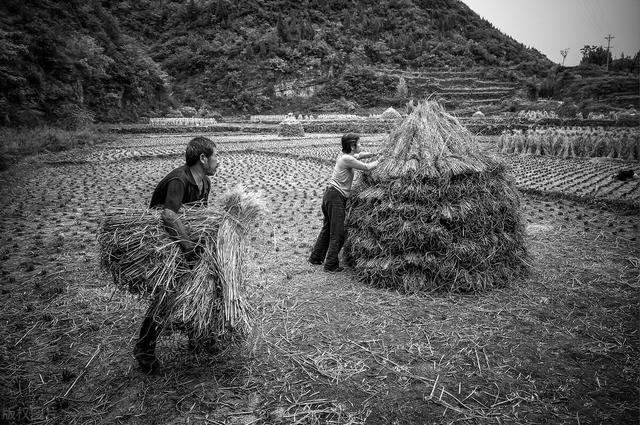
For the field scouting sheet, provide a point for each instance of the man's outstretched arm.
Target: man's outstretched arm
(364, 155)
(358, 165)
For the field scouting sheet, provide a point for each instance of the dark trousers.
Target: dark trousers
(333, 232)
(149, 331)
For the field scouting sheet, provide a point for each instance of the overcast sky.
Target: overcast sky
(552, 25)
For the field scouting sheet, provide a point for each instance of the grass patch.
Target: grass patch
(17, 143)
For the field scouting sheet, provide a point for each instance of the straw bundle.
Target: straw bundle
(206, 297)
(579, 142)
(290, 127)
(438, 214)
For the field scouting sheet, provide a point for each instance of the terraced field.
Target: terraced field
(471, 88)
(559, 345)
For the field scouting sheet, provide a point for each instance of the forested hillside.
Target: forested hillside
(120, 60)
(69, 61)
(254, 55)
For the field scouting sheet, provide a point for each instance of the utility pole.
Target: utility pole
(608, 38)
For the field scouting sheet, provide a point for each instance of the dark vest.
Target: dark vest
(191, 193)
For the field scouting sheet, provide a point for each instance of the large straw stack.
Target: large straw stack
(204, 297)
(437, 214)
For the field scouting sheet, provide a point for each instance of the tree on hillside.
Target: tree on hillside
(221, 12)
(626, 63)
(595, 55)
(401, 88)
(564, 53)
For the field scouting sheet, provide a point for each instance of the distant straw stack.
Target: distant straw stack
(438, 214)
(205, 298)
(290, 127)
(390, 114)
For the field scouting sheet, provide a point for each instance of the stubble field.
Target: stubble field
(560, 346)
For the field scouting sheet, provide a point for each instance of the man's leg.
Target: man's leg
(322, 243)
(337, 235)
(145, 349)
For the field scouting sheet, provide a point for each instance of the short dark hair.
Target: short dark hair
(197, 146)
(349, 139)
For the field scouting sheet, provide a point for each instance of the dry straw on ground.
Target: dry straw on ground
(204, 297)
(438, 214)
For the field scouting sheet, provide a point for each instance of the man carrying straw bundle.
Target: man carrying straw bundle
(333, 234)
(187, 185)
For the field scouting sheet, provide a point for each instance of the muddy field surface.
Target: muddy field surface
(560, 346)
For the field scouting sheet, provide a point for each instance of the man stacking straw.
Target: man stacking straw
(187, 185)
(332, 235)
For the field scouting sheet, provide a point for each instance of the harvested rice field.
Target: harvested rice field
(560, 346)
